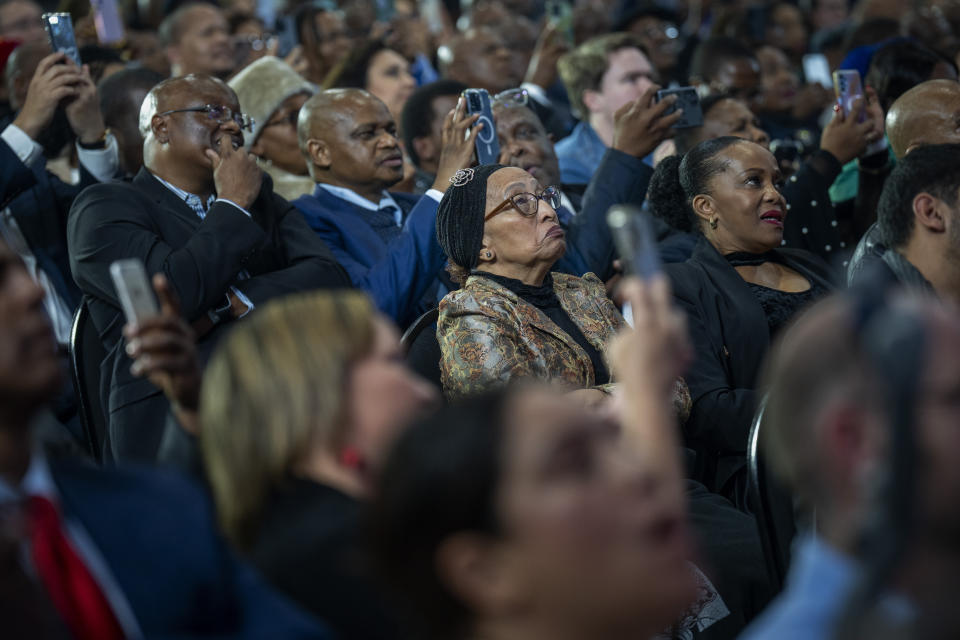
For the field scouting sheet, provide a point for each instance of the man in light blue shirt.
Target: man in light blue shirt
(601, 76)
(826, 432)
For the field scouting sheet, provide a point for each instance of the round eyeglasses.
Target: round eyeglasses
(512, 98)
(528, 203)
(219, 113)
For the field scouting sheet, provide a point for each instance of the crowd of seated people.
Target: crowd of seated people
(384, 379)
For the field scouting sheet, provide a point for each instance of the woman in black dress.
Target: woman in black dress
(739, 288)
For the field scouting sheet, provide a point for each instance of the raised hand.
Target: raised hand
(551, 45)
(56, 78)
(457, 145)
(845, 136)
(83, 110)
(235, 172)
(163, 351)
(640, 126)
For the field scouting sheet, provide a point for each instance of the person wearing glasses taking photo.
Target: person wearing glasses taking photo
(202, 213)
(512, 318)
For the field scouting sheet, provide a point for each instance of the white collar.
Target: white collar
(351, 196)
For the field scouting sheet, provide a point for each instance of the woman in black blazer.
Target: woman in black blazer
(739, 289)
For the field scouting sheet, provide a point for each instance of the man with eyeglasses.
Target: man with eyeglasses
(385, 240)
(202, 213)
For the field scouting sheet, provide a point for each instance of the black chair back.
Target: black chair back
(421, 348)
(772, 505)
(86, 355)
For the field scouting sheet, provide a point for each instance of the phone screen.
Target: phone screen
(560, 15)
(848, 88)
(59, 28)
(816, 69)
(487, 145)
(106, 19)
(133, 290)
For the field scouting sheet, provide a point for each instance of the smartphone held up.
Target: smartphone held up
(59, 27)
(487, 144)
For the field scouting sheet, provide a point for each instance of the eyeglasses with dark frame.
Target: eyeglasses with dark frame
(528, 203)
(219, 113)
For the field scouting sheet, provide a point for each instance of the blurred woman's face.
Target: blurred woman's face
(595, 542)
(278, 142)
(731, 117)
(383, 396)
(388, 78)
(778, 81)
(515, 238)
(745, 200)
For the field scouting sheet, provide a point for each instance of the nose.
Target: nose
(387, 140)
(230, 125)
(546, 213)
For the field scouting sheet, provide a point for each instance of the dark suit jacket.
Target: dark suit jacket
(308, 547)
(200, 258)
(620, 179)
(396, 275)
(40, 203)
(157, 535)
(730, 337)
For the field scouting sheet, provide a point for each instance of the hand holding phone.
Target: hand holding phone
(487, 143)
(849, 88)
(133, 290)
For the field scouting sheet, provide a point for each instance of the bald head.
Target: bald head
(327, 110)
(349, 139)
(929, 113)
(171, 92)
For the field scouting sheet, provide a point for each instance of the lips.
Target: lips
(393, 160)
(774, 217)
(556, 231)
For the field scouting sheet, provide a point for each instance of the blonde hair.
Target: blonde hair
(274, 391)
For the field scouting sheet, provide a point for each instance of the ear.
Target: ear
(592, 100)
(158, 127)
(425, 149)
(476, 570)
(487, 248)
(318, 153)
(704, 206)
(930, 212)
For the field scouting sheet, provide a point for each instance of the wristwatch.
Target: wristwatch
(100, 143)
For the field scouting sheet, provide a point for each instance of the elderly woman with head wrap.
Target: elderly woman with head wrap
(513, 318)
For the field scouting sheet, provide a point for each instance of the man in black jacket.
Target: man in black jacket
(917, 234)
(202, 213)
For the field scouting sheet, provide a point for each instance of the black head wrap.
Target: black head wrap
(460, 216)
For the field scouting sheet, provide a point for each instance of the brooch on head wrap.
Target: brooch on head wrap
(462, 177)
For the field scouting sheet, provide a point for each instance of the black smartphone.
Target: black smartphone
(689, 101)
(59, 28)
(488, 146)
(635, 242)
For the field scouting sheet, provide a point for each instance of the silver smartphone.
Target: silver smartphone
(635, 242)
(133, 290)
(816, 69)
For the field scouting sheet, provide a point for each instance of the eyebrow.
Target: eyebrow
(514, 185)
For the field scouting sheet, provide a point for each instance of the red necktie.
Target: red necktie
(71, 588)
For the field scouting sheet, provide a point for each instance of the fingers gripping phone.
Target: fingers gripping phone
(487, 144)
(635, 242)
(133, 290)
(59, 28)
(848, 87)
(689, 101)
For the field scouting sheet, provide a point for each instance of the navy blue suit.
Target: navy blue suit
(395, 275)
(156, 533)
(620, 179)
(40, 202)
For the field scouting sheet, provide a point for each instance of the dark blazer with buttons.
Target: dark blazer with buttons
(730, 337)
(201, 259)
